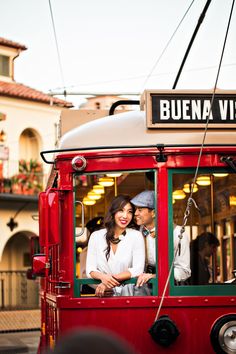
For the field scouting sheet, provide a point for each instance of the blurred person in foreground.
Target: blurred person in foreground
(91, 340)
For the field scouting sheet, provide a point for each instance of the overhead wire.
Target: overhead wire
(166, 46)
(147, 77)
(57, 46)
(200, 20)
(190, 199)
(212, 67)
(213, 96)
(154, 66)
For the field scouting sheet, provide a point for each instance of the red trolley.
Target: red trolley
(160, 147)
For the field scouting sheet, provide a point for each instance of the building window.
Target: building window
(4, 65)
(97, 105)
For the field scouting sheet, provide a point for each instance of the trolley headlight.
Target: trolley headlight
(79, 163)
(223, 335)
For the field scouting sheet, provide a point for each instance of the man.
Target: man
(145, 218)
(202, 249)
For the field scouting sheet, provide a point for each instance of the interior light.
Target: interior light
(87, 201)
(203, 180)
(106, 181)
(94, 196)
(98, 189)
(179, 194)
(3, 136)
(219, 175)
(114, 174)
(232, 200)
(188, 186)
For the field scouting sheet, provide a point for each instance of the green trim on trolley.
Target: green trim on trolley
(192, 290)
(79, 282)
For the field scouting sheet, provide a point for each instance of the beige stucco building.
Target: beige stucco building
(29, 121)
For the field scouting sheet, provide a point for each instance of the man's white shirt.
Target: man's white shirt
(182, 269)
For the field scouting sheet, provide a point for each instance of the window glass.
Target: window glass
(210, 226)
(4, 65)
(96, 200)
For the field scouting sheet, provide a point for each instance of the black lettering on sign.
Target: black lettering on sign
(193, 110)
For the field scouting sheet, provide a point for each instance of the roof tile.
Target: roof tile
(17, 90)
(8, 43)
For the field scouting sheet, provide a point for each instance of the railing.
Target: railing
(27, 179)
(17, 187)
(18, 292)
(80, 282)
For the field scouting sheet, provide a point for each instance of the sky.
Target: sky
(119, 46)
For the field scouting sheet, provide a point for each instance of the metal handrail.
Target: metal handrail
(112, 147)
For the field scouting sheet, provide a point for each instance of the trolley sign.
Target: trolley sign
(190, 109)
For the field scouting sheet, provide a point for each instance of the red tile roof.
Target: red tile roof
(16, 90)
(11, 44)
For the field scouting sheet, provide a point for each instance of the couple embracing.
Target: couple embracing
(117, 252)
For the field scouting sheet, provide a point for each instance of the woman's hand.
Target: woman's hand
(143, 278)
(102, 291)
(109, 281)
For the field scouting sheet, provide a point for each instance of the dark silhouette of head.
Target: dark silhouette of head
(95, 224)
(207, 242)
(93, 340)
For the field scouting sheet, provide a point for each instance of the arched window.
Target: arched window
(29, 145)
(30, 177)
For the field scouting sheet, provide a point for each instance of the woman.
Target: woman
(116, 253)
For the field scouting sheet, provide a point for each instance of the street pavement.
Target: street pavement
(19, 342)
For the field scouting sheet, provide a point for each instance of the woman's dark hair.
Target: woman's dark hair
(117, 204)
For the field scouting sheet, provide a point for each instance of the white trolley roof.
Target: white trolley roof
(130, 129)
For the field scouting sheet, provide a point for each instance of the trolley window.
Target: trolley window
(210, 231)
(95, 192)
